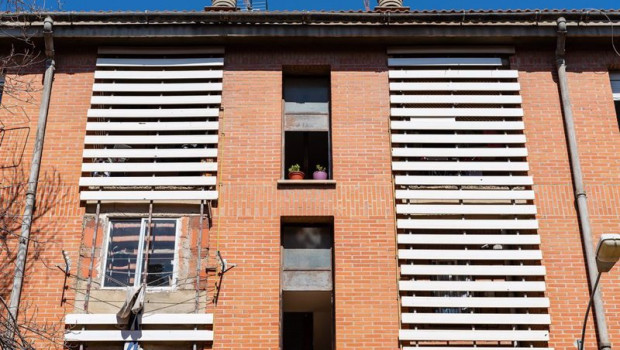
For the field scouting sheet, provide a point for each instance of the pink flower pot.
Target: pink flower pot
(319, 175)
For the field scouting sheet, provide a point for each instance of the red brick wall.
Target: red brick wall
(599, 146)
(251, 205)
(58, 215)
(247, 230)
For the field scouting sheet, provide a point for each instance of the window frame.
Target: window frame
(143, 223)
(329, 167)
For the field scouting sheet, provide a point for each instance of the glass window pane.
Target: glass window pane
(306, 95)
(120, 268)
(306, 236)
(161, 253)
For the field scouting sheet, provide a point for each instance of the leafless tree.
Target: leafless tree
(28, 332)
(21, 55)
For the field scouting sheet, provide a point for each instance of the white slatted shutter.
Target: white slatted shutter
(152, 130)
(470, 265)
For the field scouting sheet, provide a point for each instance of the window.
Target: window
(307, 287)
(615, 88)
(306, 124)
(125, 255)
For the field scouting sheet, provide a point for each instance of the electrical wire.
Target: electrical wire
(611, 23)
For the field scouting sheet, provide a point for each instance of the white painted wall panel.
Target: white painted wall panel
(153, 113)
(164, 50)
(151, 140)
(468, 319)
(457, 112)
(144, 335)
(470, 139)
(463, 180)
(149, 181)
(150, 153)
(156, 100)
(149, 167)
(129, 196)
(472, 254)
(157, 75)
(460, 166)
(472, 286)
(477, 224)
(160, 319)
(456, 99)
(451, 124)
(168, 87)
(452, 86)
(468, 239)
(476, 302)
(460, 152)
(472, 348)
(465, 194)
(445, 61)
(452, 74)
(465, 209)
(463, 335)
(151, 126)
(160, 62)
(472, 270)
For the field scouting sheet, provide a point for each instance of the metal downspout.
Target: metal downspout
(580, 193)
(33, 180)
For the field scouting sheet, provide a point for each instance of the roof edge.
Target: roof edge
(317, 17)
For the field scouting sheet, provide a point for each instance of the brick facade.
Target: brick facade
(248, 215)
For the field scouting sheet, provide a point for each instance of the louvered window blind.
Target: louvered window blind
(152, 128)
(470, 263)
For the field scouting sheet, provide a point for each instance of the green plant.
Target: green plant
(294, 168)
(319, 167)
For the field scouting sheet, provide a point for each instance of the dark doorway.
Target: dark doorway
(298, 331)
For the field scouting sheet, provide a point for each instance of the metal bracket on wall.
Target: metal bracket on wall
(67, 272)
(222, 267)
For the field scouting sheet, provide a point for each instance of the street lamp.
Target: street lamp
(607, 254)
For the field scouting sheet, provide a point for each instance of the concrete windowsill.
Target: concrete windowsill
(306, 183)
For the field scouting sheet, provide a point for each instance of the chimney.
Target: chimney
(218, 5)
(387, 5)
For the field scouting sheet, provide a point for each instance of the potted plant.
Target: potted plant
(294, 172)
(320, 173)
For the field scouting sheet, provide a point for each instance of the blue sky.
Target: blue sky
(94, 5)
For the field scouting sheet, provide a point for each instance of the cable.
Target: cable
(219, 176)
(585, 320)
(611, 23)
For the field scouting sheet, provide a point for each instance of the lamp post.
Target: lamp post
(607, 254)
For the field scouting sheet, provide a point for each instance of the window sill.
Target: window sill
(306, 183)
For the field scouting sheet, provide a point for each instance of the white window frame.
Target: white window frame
(143, 223)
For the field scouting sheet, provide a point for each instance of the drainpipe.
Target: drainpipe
(31, 193)
(580, 193)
